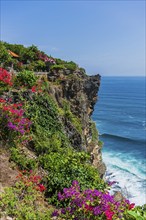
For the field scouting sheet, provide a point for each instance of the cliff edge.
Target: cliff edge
(80, 92)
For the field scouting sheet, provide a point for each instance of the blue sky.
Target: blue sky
(106, 37)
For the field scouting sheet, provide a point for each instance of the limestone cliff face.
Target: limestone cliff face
(81, 92)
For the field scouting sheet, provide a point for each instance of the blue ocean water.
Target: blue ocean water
(120, 116)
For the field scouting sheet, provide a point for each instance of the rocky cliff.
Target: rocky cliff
(80, 92)
(75, 95)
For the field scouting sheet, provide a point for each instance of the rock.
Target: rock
(6, 218)
(118, 196)
(9, 218)
(81, 92)
(7, 173)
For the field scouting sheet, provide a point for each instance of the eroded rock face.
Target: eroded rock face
(7, 172)
(81, 91)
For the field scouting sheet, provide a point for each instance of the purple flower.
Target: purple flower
(55, 213)
(97, 210)
(12, 126)
(22, 131)
(63, 211)
(60, 196)
(75, 182)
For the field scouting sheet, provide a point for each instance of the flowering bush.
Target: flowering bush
(25, 200)
(14, 115)
(90, 204)
(5, 77)
(13, 123)
(42, 56)
(29, 179)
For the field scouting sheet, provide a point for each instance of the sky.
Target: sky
(105, 37)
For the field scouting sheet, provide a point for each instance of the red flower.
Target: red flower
(2, 100)
(33, 89)
(5, 77)
(131, 206)
(41, 187)
(88, 207)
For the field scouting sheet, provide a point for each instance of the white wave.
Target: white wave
(131, 116)
(144, 124)
(129, 180)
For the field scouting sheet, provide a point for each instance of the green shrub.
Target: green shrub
(59, 61)
(24, 201)
(57, 67)
(94, 131)
(71, 65)
(55, 154)
(25, 78)
(39, 65)
(67, 165)
(5, 57)
(22, 160)
(71, 117)
(82, 70)
(138, 213)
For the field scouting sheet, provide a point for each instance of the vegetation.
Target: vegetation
(91, 204)
(33, 116)
(31, 58)
(31, 121)
(71, 117)
(25, 78)
(25, 200)
(94, 131)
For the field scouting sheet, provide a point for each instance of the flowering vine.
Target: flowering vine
(91, 204)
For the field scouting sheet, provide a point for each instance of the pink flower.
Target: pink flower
(131, 206)
(109, 214)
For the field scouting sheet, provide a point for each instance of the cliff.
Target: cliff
(80, 92)
(46, 131)
(61, 111)
(50, 152)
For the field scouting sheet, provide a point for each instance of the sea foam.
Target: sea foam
(128, 175)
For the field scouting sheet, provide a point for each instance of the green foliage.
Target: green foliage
(30, 54)
(31, 58)
(59, 61)
(57, 67)
(24, 203)
(138, 213)
(64, 166)
(26, 55)
(61, 64)
(49, 141)
(46, 129)
(94, 131)
(71, 117)
(71, 66)
(39, 65)
(82, 70)
(25, 78)
(18, 156)
(5, 58)
(100, 143)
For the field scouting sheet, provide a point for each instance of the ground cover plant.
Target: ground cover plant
(25, 200)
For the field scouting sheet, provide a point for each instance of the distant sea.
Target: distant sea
(120, 116)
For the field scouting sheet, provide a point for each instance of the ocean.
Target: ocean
(120, 116)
